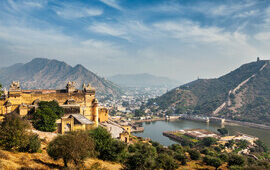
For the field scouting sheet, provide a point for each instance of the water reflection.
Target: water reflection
(154, 130)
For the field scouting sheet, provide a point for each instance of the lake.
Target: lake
(153, 130)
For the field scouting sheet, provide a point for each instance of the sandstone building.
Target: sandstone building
(73, 101)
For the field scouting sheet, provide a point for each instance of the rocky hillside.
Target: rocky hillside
(243, 94)
(142, 80)
(43, 73)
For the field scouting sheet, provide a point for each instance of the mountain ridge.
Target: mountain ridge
(142, 80)
(43, 73)
(237, 95)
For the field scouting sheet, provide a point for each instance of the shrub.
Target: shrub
(212, 161)
(75, 146)
(224, 157)
(181, 157)
(164, 161)
(107, 147)
(13, 132)
(208, 141)
(223, 131)
(194, 154)
(33, 144)
(236, 160)
(143, 157)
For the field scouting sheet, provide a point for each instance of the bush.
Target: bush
(223, 131)
(212, 161)
(75, 146)
(143, 157)
(236, 160)
(33, 144)
(194, 154)
(107, 147)
(13, 132)
(208, 141)
(164, 161)
(224, 157)
(181, 157)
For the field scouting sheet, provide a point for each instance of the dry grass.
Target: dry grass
(195, 165)
(13, 160)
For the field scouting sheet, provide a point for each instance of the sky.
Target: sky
(179, 39)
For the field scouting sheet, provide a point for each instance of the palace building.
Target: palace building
(74, 101)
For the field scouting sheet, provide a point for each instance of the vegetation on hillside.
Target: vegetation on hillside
(15, 135)
(203, 96)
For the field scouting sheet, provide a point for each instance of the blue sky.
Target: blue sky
(180, 39)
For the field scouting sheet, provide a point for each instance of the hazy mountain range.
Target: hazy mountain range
(41, 73)
(243, 94)
(143, 80)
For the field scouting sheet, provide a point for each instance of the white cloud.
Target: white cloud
(73, 11)
(107, 29)
(190, 31)
(112, 3)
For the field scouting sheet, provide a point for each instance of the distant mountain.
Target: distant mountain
(142, 80)
(41, 73)
(243, 94)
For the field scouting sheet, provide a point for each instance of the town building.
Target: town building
(74, 101)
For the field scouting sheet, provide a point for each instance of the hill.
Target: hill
(243, 94)
(41, 73)
(142, 80)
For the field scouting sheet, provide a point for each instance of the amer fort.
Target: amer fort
(81, 107)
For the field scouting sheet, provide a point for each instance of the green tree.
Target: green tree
(236, 160)
(194, 154)
(243, 144)
(74, 146)
(212, 161)
(223, 131)
(208, 141)
(181, 157)
(33, 144)
(107, 147)
(13, 132)
(139, 113)
(44, 119)
(45, 116)
(53, 105)
(142, 158)
(164, 161)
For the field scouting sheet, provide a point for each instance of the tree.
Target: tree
(194, 154)
(142, 157)
(139, 113)
(236, 160)
(212, 161)
(164, 161)
(33, 145)
(74, 146)
(13, 132)
(53, 105)
(243, 144)
(44, 120)
(181, 157)
(45, 116)
(208, 141)
(107, 147)
(223, 131)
